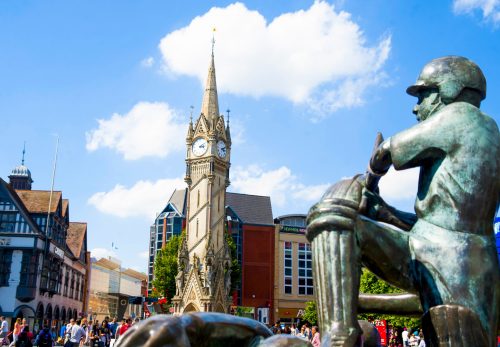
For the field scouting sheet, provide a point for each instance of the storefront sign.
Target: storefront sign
(5, 241)
(59, 252)
(381, 326)
(290, 229)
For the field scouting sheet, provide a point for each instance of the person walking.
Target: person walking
(77, 335)
(25, 337)
(316, 338)
(44, 338)
(4, 329)
(16, 331)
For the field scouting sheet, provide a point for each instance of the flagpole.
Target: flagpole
(52, 188)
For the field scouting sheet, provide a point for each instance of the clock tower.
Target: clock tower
(204, 279)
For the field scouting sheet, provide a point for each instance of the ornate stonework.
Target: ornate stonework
(203, 282)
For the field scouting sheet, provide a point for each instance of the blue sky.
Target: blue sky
(308, 84)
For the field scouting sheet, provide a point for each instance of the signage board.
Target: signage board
(291, 229)
(381, 326)
(4, 241)
(59, 252)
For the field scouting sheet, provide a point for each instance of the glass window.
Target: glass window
(305, 269)
(288, 267)
(5, 261)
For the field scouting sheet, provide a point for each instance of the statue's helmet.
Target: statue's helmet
(450, 75)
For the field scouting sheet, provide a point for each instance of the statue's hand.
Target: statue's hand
(374, 207)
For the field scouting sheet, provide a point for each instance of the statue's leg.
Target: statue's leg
(340, 241)
(335, 258)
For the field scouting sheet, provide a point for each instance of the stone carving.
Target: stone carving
(445, 253)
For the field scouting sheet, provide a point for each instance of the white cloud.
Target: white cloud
(144, 198)
(99, 253)
(143, 255)
(147, 62)
(148, 129)
(315, 56)
(489, 8)
(399, 185)
(280, 184)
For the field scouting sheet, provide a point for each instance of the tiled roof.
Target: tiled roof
(65, 204)
(75, 237)
(252, 209)
(132, 273)
(178, 199)
(37, 201)
(106, 263)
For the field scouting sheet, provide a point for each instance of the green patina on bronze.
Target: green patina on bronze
(445, 255)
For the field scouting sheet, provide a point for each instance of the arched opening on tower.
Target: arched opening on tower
(219, 308)
(191, 308)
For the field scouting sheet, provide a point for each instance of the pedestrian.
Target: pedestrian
(4, 329)
(16, 332)
(406, 340)
(104, 334)
(276, 328)
(25, 337)
(293, 330)
(316, 339)
(77, 335)
(44, 338)
(67, 332)
(124, 327)
(113, 326)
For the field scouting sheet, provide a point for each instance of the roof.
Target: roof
(107, 264)
(65, 203)
(75, 237)
(252, 209)
(37, 201)
(135, 274)
(178, 199)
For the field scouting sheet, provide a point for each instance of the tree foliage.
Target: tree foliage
(371, 284)
(310, 313)
(165, 268)
(235, 267)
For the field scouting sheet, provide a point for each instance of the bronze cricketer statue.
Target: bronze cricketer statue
(445, 255)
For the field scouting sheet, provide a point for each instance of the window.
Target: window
(5, 261)
(29, 265)
(66, 283)
(72, 285)
(305, 269)
(288, 267)
(44, 277)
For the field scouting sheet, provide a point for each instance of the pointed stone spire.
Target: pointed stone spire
(210, 105)
(228, 133)
(190, 132)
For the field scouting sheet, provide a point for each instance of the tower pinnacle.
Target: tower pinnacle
(210, 104)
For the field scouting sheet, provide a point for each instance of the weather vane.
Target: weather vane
(24, 151)
(213, 40)
(191, 114)
(228, 111)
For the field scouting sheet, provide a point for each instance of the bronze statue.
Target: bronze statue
(445, 253)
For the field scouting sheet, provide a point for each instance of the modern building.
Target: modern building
(111, 289)
(44, 263)
(293, 271)
(170, 222)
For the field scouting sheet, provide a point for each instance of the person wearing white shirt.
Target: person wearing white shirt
(4, 328)
(77, 334)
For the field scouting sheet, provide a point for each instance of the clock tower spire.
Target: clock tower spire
(203, 282)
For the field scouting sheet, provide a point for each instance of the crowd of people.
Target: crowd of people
(305, 332)
(75, 333)
(406, 338)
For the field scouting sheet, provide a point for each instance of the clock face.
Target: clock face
(199, 146)
(221, 148)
